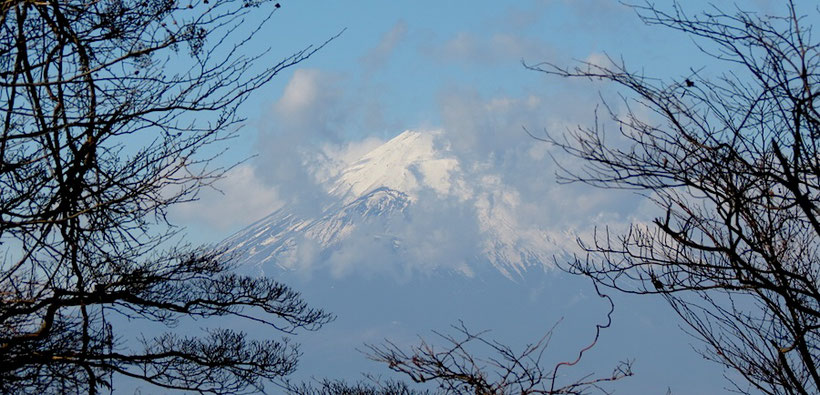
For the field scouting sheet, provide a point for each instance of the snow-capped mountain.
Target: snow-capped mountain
(408, 163)
(407, 202)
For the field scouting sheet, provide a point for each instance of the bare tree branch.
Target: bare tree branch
(733, 163)
(107, 110)
(458, 367)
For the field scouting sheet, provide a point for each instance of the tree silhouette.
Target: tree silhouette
(732, 162)
(370, 386)
(109, 109)
(470, 362)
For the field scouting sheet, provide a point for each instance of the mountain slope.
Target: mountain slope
(406, 203)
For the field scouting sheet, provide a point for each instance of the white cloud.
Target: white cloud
(311, 112)
(330, 159)
(487, 137)
(306, 142)
(380, 54)
(496, 48)
(307, 138)
(306, 94)
(300, 93)
(238, 199)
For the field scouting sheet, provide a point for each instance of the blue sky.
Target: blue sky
(424, 65)
(456, 66)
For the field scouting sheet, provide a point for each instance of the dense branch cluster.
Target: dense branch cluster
(471, 363)
(732, 161)
(106, 108)
(369, 386)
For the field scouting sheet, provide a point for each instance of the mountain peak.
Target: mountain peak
(409, 202)
(407, 163)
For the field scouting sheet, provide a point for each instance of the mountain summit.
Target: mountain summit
(407, 163)
(407, 203)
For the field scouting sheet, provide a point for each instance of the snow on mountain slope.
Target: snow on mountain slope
(407, 163)
(280, 237)
(407, 202)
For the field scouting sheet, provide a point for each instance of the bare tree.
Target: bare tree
(369, 386)
(107, 106)
(732, 161)
(460, 366)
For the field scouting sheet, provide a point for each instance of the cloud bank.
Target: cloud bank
(324, 121)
